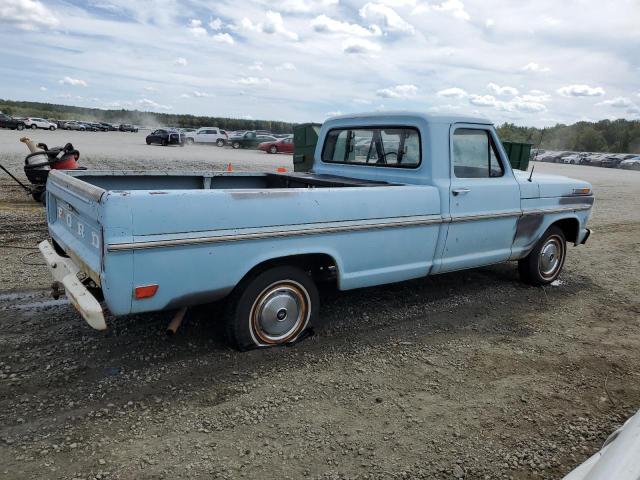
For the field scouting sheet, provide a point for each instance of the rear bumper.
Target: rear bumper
(65, 272)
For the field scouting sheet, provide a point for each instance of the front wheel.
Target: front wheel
(20, 126)
(235, 145)
(271, 308)
(273, 149)
(52, 128)
(544, 264)
(220, 142)
(189, 141)
(33, 126)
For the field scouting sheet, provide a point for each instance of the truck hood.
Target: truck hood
(544, 185)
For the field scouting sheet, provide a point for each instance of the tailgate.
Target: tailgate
(73, 215)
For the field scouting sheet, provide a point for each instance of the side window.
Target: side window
(384, 146)
(474, 154)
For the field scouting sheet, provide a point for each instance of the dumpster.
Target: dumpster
(305, 138)
(518, 154)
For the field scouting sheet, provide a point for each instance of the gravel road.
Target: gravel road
(465, 375)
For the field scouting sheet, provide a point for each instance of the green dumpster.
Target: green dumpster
(518, 154)
(305, 138)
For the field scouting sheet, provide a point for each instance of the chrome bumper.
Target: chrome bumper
(65, 272)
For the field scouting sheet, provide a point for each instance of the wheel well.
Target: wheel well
(569, 227)
(316, 263)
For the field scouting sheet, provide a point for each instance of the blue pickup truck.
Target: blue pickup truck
(391, 197)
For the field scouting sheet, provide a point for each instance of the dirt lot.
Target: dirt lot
(464, 375)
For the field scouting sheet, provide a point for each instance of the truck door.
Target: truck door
(484, 200)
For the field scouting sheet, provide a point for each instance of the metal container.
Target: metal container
(305, 138)
(518, 154)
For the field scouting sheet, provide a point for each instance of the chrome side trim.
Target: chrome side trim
(415, 221)
(420, 221)
(571, 208)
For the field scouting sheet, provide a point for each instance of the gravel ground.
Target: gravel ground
(463, 375)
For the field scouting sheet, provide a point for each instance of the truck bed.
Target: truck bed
(143, 180)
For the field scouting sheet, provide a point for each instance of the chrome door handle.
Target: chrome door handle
(460, 191)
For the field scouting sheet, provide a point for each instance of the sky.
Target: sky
(538, 62)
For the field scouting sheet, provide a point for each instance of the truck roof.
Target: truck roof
(399, 116)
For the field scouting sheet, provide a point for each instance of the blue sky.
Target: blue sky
(533, 63)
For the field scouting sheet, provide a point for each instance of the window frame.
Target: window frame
(374, 127)
(492, 144)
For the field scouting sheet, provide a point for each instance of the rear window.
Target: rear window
(373, 146)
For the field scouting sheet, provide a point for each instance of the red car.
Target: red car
(282, 145)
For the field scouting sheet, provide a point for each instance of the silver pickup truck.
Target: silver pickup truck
(391, 197)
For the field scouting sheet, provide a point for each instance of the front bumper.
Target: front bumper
(585, 234)
(65, 272)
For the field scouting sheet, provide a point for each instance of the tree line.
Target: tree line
(136, 117)
(615, 136)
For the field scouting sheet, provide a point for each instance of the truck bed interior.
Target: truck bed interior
(146, 181)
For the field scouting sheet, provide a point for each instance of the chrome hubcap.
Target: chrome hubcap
(280, 313)
(551, 257)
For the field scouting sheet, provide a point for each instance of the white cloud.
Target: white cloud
(150, 89)
(618, 102)
(274, 24)
(453, 92)
(27, 14)
(223, 38)
(536, 96)
(196, 29)
(257, 66)
(216, 24)
(185, 95)
(324, 24)
(334, 113)
(490, 23)
(301, 6)
(454, 7)
(254, 81)
(399, 91)
(43, 89)
(581, 91)
(359, 46)
(523, 105)
(387, 16)
(286, 66)
(146, 103)
(75, 82)
(534, 67)
(483, 100)
(181, 62)
(196, 93)
(498, 90)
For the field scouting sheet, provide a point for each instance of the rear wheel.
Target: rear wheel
(189, 141)
(33, 126)
(220, 142)
(20, 126)
(165, 142)
(273, 149)
(544, 264)
(148, 142)
(235, 145)
(52, 128)
(271, 308)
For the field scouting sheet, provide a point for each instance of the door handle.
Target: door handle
(460, 191)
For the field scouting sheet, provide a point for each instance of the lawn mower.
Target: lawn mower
(40, 161)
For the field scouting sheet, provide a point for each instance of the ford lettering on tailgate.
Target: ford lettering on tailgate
(76, 226)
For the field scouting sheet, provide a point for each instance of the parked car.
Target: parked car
(165, 137)
(282, 145)
(35, 122)
(89, 127)
(250, 140)
(73, 125)
(446, 200)
(127, 127)
(108, 127)
(6, 121)
(211, 135)
(611, 161)
(632, 163)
